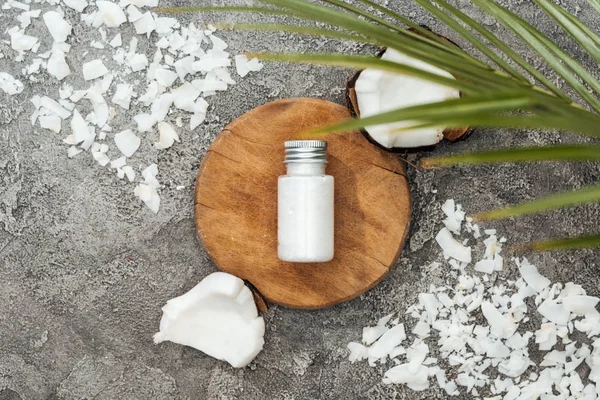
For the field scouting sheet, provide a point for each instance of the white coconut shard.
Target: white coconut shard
(554, 312)
(165, 77)
(94, 69)
(533, 278)
(123, 94)
(112, 15)
(145, 122)
(57, 65)
(254, 65)
(145, 24)
(452, 247)
(52, 106)
(9, 84)
(116, 41)
(372, 333)
(79, 128)
(101, 110)
(51, 122)
(73, 151)
(77, 5)
(241, 67)
(168, 136)
(57, 26)
(380, 91)
(127, 142)
(358, 352)
(129, 173)
(149, 196)
(581, 305)
(218, 317)
(387, 342)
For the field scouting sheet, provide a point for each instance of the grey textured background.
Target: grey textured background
(85, 268)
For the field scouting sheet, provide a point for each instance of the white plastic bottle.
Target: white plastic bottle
(305, 204)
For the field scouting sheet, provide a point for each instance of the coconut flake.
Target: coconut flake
(502, 327)
(387, 342)
(52, 122)
(122, 96)
(168, 136)
(137, 62)
(101, 110)
(129, 173)
(184, 97)
(73, 151)
(79, 128)
(57, 65)
(533, 278)
(145, 122)
(240, 65)
(94, 69)
(372, 333)
(196, 120)
(358, 352)
(254, 65)
(452, 247)
(9, 84)
(77, 5)
(101, 158)
(58, 27)
(165, 77)
(554, 312)
(111, 14)
(127, 142)
(116, 41)
(145, 24)
(581, 305)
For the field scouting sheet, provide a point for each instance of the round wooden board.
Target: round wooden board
(236, 205)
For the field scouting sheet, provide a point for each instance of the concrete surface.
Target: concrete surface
(85, 268)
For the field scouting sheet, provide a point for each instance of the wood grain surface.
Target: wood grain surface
(236, 205)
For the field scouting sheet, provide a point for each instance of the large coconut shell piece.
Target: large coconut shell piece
(451, 134)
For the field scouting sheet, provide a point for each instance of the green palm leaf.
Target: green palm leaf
(471, 38)
(403, 20)
(578, 31)
(563, 244)
(524, 154)
(470, 22)
(585, 195)
(554, 56)
(595, 4)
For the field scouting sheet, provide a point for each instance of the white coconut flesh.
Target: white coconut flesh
(218, 317)
(380, 91)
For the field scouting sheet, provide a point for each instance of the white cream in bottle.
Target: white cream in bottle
(305, 204)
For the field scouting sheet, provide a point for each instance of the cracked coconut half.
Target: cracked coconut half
(371, 91)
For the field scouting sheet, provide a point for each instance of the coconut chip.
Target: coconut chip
(168, 136)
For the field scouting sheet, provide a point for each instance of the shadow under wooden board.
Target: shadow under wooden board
(236, 205)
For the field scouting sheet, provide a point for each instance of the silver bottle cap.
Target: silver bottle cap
(305, 151)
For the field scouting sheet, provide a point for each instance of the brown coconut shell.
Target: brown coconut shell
(451, 134)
